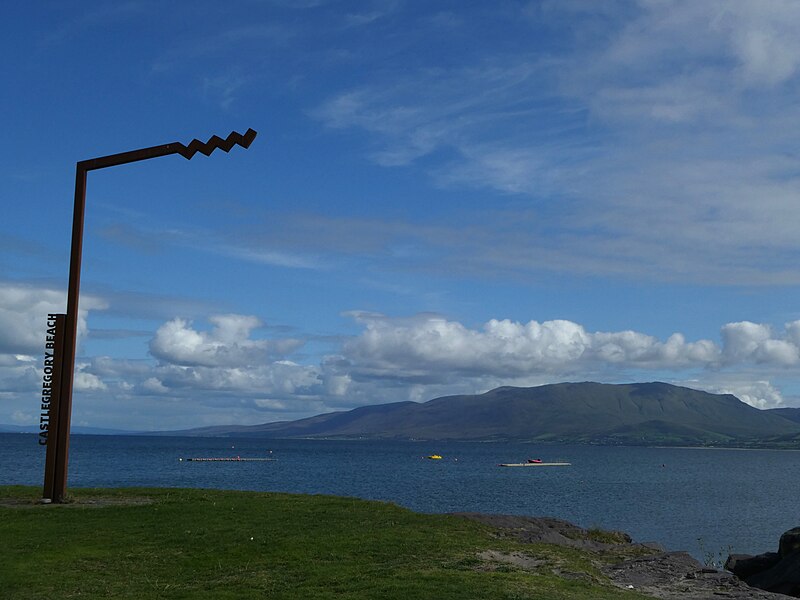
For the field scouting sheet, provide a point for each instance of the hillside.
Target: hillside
(640, 413)
(793, 414)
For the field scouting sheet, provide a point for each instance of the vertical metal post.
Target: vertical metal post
(70, 339)
(51, 456)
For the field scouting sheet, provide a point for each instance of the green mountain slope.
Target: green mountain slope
(640, 413)
(793, 414)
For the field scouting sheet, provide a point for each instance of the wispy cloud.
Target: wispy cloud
(271, 257)
(224, 63)
(255, 248)
(668, 146)
(380, 9)
(223, 42)
(104, 16)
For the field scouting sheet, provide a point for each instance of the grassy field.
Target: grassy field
(176, 543)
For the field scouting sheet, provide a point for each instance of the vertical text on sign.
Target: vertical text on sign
(48, 379)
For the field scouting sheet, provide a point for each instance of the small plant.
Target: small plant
(714, 560)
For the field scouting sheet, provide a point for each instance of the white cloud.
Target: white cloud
(267, 403)
(19, 417)
(793, 332)
(431, 348)
(763, 39)
(277, 378)
(337, 385)
(753, 42)
(227, 361)
(154, 386)
(13, 360)
(87, 382)
(227, 344)
(23, 316)
(760, 394)
(418, 358)
(746, 341)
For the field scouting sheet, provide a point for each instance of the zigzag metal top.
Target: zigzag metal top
(187, 152)
(217, 142)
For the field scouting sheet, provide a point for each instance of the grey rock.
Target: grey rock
(790, 542)
(783, 578)
(678, 576)
(746, 565)
(647, 571)
(777, 572)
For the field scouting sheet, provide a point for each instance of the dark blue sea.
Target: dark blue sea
(702, 501)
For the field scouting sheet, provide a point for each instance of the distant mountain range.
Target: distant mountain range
(630, 414)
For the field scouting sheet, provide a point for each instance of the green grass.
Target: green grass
(176, 543)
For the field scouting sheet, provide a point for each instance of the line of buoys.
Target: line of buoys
(228, 459)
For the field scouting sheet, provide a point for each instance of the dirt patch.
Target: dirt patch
(491, 558)
(548, 530)
(90, 502)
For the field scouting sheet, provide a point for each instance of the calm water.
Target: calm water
(739, 498)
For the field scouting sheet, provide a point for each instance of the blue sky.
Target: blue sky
(444, 197)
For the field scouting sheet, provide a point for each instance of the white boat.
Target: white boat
(535, 464)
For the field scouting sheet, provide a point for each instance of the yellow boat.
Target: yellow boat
(435, 457)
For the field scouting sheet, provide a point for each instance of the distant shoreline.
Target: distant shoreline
(414, 441)
(724, 448)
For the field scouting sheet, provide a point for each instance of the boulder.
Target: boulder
(745, 565)
(783, 578)
(777, 572)
(790, 542)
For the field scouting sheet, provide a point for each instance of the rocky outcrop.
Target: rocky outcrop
(645, 568)
(777, 572)
(548, 530)
(678, 576)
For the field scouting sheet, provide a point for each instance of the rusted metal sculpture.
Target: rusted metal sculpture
(55, 482)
